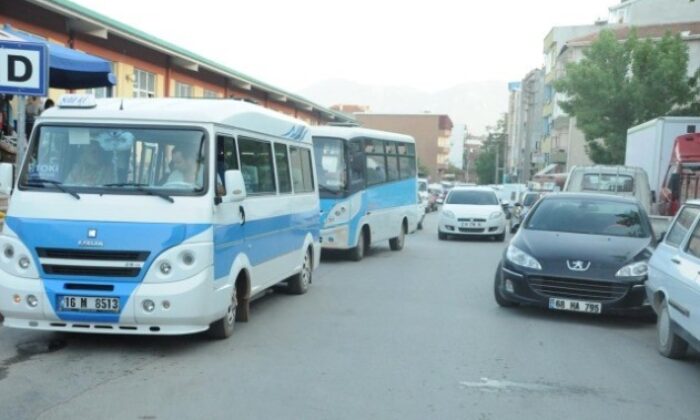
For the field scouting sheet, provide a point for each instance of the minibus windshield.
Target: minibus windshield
(330, 165)
(111, 159)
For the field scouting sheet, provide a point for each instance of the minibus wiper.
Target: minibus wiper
(57, 184)
(330, 190)
(141, 188)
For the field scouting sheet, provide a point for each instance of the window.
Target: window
(284, 177)
(376, 170)
(256, 166)
(681, 226)
(226, 159)
(118, 159)
(302, 171)
(374, 146)
(210, 94)
(392, 168)
(407, 160)
(183, 90)
(694, 243)
(407, 167)
(144, 84)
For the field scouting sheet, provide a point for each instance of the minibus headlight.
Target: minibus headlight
(187, 258)
(165, 268)
(23, 263)
(9, 251)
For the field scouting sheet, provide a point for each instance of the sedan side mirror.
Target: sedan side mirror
(514, 228)
(235, 186)
(6, 178)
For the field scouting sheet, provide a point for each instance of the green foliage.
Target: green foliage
(621, 84)
(486, 162)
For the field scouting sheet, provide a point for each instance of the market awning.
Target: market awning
(68, 68)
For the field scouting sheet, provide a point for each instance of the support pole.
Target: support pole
(21, 130)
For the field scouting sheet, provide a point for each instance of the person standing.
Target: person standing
(32, 111)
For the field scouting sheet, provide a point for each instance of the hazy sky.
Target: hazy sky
(428, 45)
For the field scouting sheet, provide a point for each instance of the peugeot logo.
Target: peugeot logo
(578, 265)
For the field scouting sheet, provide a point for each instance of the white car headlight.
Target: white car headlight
(637, 269)
(518, 257)
(496, 215)
(448, 213)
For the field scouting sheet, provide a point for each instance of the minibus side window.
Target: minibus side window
(302, 171)
(284, 181)
(256, 166)
(226, 159)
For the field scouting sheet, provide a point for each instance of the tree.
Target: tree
(486, 162)
(621, 84)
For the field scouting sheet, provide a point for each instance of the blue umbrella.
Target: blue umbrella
(68, 68)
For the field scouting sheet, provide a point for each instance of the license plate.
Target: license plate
(575, 305)
(89, 304)
(471, 225)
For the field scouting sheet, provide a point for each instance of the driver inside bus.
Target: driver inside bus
(91, 168)
(185, 168)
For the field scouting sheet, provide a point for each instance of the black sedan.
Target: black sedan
(578, 252)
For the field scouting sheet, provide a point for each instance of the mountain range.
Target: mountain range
(476, 104)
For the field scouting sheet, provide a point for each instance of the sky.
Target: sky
(427, 45)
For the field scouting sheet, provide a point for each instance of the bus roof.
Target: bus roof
(229, 112)
(348, 133)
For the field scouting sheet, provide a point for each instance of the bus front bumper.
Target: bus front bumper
(182, 307)
(336, 237)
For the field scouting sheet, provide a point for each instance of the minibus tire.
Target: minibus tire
(396, 244)
(299, 283)
(223, 328)
(358, 253)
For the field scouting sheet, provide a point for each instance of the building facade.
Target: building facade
(431, 131)
(146, 66)
(653, 12)
(571, 138)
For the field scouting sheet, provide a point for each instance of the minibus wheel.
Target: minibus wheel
(358, 253)
(223, 328)
(298, 284)
(396, 244)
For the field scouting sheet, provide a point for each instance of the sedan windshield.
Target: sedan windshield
(591, 217)
(329, 154)
(479, 198)
(116, 159)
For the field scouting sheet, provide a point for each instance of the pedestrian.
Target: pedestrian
(32, 111)
(48, 104)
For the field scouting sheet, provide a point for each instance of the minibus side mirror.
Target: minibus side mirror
(6, 178)
(235, 186)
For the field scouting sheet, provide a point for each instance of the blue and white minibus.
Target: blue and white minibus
(156, 216)
(368, 187)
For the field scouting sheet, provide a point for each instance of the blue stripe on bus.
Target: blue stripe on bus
(265, 239)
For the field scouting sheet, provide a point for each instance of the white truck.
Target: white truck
(649, 146)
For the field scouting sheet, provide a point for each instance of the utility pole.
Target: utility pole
(498, 149)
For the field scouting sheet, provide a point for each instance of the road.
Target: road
(414, 334)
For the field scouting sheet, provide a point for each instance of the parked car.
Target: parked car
(521, 209)
(673, 288)
(472, 211)
(578, 252)
(626, 181)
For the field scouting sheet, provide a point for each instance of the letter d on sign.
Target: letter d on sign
(19, 68)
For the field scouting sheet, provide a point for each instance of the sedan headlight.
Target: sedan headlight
(448, 213)
(496, 215)
(518, 257)
(637, 269)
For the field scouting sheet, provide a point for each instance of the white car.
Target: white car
(472, 211)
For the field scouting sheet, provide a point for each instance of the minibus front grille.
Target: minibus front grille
(75, 270)
(91, 254)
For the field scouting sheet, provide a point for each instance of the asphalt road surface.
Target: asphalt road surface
(414, 334)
